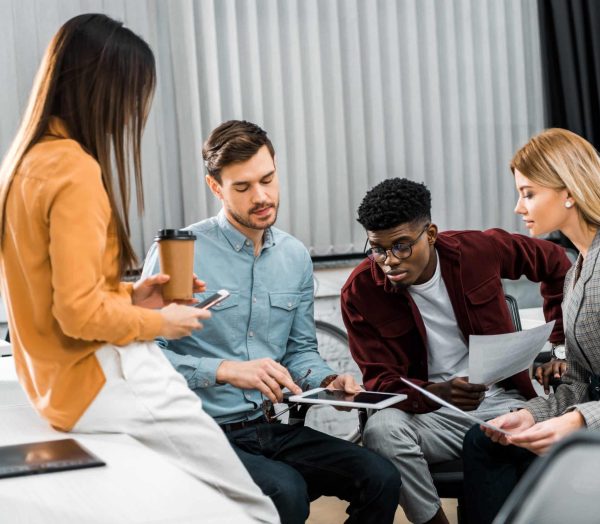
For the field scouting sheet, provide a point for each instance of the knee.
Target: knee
(388, 474)
(380, 475)
(476, 446)
(384, 433)
(290, 495)
(379, 470)
(475, 440)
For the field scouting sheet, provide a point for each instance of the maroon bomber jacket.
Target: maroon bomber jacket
(386, 332)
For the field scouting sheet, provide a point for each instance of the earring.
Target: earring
(568, 204)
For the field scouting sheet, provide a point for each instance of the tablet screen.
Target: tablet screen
(371, 397)
(365, 397)
(45, 457)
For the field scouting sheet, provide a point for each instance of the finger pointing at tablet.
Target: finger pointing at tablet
(263, 374)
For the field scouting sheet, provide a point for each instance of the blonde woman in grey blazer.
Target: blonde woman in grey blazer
(557, 174)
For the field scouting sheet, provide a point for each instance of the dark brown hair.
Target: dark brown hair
(99, 78)
(232, 142)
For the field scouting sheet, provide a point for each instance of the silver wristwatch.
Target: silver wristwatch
(558, 351)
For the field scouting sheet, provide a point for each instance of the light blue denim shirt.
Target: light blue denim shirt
(269, 314)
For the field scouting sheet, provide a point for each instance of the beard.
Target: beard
(252, 221)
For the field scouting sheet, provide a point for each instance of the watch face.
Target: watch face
(559, 352)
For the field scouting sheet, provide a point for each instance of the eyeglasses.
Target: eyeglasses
(399, 250)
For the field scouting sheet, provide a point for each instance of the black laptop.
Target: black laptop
(45, 457)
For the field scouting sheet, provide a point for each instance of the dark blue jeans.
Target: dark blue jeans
(491, 472)
(295, 465)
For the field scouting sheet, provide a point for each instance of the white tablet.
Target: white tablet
(336, 397)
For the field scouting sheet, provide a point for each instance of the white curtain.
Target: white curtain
(350, 91)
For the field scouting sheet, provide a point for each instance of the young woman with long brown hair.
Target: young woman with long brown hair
(83, 340)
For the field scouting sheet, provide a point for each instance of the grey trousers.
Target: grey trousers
(412, 441)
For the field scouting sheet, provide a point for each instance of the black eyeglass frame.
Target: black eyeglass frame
(396, 249)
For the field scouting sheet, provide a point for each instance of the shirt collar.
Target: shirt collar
(238, 239)
(589, 262)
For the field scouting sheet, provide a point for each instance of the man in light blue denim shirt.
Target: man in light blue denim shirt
(269, 315)
(262, 339)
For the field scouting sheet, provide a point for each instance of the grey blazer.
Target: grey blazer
(581, 318)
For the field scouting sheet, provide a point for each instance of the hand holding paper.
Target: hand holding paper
(460, 392)
(508, 424)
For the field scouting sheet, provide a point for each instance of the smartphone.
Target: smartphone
(213, 300)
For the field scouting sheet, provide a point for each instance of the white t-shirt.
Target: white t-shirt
(447, 350)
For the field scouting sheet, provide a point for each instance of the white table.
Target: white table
(136, 486)
(532, 317)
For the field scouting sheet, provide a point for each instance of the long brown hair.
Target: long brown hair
(560, 159)
(99, 78)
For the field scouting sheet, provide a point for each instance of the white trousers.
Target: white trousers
(144, 397)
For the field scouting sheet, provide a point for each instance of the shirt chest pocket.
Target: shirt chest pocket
(403, 343)
(282, 310)
(222, 327)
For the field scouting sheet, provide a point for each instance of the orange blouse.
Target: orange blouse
(58, 272)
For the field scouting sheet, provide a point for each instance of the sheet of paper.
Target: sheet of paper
(442, 402)
(493, 358)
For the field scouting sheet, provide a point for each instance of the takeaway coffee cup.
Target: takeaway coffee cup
(176, 255)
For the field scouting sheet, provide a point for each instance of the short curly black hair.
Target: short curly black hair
(393, 202)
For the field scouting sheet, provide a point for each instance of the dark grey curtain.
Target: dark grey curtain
(570, 41)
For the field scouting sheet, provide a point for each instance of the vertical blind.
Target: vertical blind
(350, 91)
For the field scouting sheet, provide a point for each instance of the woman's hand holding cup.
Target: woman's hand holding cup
(148, 292)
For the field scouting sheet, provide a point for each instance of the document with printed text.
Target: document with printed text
(493, 358)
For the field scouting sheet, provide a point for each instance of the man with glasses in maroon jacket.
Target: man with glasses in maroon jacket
(410, 307)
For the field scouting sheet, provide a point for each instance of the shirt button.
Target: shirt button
(238, 247)
(254, 299)
(247, 242)
(289, 305)
(250, 333)
(206, 383)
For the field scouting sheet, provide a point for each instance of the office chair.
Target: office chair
(559, 487)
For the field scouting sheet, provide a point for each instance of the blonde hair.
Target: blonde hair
(559, 159)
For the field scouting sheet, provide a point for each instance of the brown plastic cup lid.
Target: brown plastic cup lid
(174, 234)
